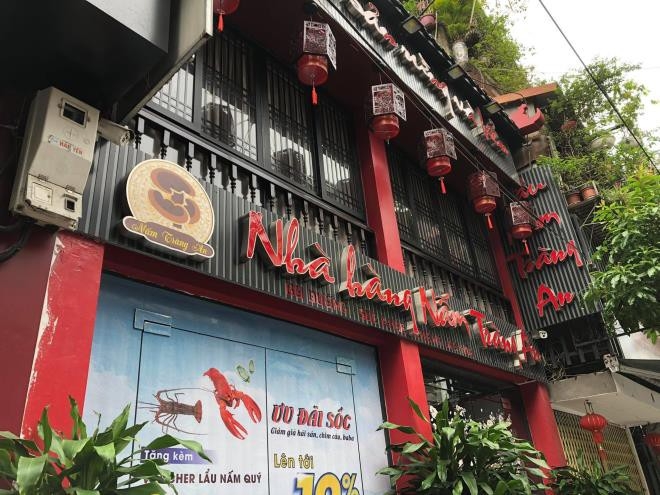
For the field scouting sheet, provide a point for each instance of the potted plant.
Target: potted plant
(591, 480)
(573, 196)
(85, 464)
(463, 457)
(588, 190)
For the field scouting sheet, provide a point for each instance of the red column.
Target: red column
(542, 423)
(64, 341)
(400, 364)
(23, 280)
(540, 417)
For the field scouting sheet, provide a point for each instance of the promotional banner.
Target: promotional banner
(279, 408)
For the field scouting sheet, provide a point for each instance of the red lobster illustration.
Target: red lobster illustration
(227, 396)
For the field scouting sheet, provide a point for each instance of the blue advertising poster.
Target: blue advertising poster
(279, 408)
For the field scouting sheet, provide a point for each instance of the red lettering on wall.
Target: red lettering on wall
(547, 257)
(545, 295)
(527, 123)
(546, 218)
(282, 255)
(530, 190)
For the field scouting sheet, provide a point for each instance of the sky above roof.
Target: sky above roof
(596, 28)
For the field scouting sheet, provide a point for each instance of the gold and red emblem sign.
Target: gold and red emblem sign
(169, 209)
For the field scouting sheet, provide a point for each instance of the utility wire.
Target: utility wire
(600, 87)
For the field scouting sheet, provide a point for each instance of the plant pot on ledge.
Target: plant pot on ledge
(573, 197)
(588, 191)
(428, 21)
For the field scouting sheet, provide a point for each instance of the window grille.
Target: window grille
(176, 95)
(341, 171)
(228, 111)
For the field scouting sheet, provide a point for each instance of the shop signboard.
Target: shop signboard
(550, 279)
(299, 265)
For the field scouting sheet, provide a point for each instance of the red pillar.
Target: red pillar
(542, 423)
(64, 341)
(23, 280)
(540, 417)
(400, 363)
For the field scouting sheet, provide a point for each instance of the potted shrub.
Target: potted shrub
(592, 480)
(85, 464)
(573, 196)
(464, 457)
(588, 191)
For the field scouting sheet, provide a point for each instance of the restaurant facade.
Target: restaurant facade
(271, 267)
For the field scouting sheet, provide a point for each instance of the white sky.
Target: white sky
(629, 31)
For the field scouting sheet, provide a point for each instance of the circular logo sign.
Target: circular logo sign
(170, 208)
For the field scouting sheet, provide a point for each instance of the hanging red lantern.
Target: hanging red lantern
(652, 439)
(318, 46)
(484, 192)
(387, 105)
(595, 423)
(224, 7)
(520, 221)
(437, 150)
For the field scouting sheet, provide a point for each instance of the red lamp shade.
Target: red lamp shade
(318, 49)
(653, 440)
(386, 106)
(437, 151)
(520, 221)
(224, 7)
(595, 423)
(484, 191)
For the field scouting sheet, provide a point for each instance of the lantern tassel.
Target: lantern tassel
(315, 97)
(442, 185)
(221, 22)
(526, 247)
(489, 222)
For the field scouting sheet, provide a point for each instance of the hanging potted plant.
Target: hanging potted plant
(464, 457)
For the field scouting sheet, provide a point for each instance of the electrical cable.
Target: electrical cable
(26, 230)
(600, 87)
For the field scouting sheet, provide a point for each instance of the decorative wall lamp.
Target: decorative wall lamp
(483, 192)
(492, 107)
(411, 25)
(318, 46)
(387, 104)
(437, 151)
(224, 7)
(520, 222)
(456, 72)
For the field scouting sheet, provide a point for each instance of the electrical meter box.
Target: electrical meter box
(55, 159)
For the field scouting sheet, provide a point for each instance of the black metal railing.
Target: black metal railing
(160, 138)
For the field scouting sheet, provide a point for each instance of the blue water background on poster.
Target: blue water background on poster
(260, 361)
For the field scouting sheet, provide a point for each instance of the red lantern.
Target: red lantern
(484, 192)
(318, 47)
(653, 440)
(520, 222)
(387, 105)
(595, 423)
(437, 149)
(224, 7)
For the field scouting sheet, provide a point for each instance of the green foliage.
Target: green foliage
(587, 480)
(629, 287)
(85, 465)
(497, 54)
(581, 101)
(464, 457)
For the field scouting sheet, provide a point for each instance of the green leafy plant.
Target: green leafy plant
(591, 480)
(464, 457)
(629, 285)
(85, 464)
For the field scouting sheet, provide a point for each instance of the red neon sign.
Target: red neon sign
(546, 218)
(545, 258)
(527, 123)
(545, 295)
